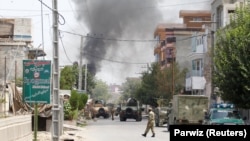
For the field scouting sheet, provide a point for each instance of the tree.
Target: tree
(130, 87)
(149, 85)
(232, 55)
(101, 91)
(74, 100)
(70, 77)
(76, 103)
(67, 79)
(157, 84)
(83, 98)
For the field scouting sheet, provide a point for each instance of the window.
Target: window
(171, 39)
(230, 11)
(219, 18)
(197, 67)
(197, 19)
(169, 54)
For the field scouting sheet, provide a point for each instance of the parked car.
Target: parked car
(223, 114)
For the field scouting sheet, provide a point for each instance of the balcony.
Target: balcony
(197, 73)
(195, 83)
(195, 80)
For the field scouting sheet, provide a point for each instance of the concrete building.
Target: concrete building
(15, 46)
(221, 10)
(198, 79)
(175, 39)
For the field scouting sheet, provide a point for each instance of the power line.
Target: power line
(125, 40)
(121, 62)
(65, 52)
(110, 39)
(62, 23)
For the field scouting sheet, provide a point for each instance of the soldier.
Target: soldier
(151, 123)
(112, 112)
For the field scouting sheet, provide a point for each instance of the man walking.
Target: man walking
(151, 123)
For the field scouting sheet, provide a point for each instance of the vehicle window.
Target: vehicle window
(216, 114)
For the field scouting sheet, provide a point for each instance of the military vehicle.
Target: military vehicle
(223, 114)
(99, 109)
(131, 110)
(161, 116)
(187, 109)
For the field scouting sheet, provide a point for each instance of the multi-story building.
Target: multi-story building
(174, 40)
(198, 79)
(15, 46)
(221, 11)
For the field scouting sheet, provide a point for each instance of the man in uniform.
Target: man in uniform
(150, 123)
(112, 112)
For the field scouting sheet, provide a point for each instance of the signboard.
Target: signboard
(36, 81)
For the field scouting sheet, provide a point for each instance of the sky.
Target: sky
(117, 35)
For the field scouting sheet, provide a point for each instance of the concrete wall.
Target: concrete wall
(16, 128)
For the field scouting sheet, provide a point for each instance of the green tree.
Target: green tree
(101, 91)
(149, 85)
(232, 55)
(74, 100)
(67, 79)
(130, 87)
(70, 77)
(157, 83)
(83, 98)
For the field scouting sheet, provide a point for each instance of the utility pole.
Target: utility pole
(212, 63)
(4, 86)
(173, 56)
(56, 85)
(80, 67)
(85, 84)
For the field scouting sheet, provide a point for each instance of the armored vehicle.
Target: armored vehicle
(99, 109)
(187, 109)
(131, 110)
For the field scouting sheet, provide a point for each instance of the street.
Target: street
(107, 130)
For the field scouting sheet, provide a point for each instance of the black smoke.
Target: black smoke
(115, 19)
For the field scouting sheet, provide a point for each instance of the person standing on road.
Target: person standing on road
(150, 123)
(112, 112)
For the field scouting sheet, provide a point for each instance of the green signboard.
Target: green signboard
(36, 81)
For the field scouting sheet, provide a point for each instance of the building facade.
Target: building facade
(15, 46)
(175, 40)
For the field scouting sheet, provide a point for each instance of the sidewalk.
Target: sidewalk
(70, 132)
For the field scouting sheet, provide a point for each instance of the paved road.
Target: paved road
(130, 130)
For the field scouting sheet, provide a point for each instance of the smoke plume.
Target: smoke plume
(115, 19)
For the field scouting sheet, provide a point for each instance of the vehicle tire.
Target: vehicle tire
(122, 119)
(106, 116)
